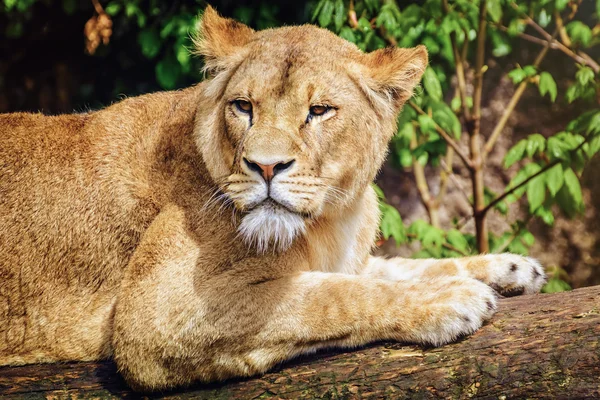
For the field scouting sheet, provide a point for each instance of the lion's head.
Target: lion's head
(294, 121)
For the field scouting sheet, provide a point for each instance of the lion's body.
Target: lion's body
(142, 232)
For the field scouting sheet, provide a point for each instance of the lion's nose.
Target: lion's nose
(268, 171)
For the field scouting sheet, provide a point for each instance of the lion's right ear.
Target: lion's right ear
(217, 39)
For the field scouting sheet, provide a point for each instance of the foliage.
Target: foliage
(149, 41)
(458, 35)
(148, 46)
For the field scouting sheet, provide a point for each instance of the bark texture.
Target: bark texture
(542, 346)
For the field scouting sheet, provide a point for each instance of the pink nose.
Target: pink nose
(270, 170)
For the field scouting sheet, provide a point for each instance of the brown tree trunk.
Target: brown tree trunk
(542, 346)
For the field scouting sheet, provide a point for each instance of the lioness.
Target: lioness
(216, 231)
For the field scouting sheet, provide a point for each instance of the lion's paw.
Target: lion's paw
(454, 307)
(512, 275)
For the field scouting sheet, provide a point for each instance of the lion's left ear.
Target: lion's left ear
(218, 38)
(395, 72)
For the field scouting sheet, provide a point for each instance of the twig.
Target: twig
(460, 71)
(445, 174)
(98, 7)
(455, 181)
(513, 103)
(580, 56)
(561, 29)
(445, 136)
(423, 187)
(510, 191)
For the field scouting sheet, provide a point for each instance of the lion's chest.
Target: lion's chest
(340, 246)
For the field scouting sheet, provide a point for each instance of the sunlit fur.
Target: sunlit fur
(138, 233)
(332, 166)
(269, 224)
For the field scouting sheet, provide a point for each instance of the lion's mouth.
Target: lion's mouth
(270, 224)
(271, 204)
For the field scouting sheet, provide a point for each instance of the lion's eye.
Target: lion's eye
(243, 106)
(318, 110)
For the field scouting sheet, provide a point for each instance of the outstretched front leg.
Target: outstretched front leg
(509, 274)
(180, 319)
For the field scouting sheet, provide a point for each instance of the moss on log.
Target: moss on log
(542, 346)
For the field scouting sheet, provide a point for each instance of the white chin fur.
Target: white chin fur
(271, 225)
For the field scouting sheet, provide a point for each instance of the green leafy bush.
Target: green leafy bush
(439, 125)
(460, 35)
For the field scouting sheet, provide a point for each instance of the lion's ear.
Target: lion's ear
(395, 72)
(218, 38)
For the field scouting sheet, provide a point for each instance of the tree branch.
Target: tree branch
(445, 136)
(455, 181)
(460, 71)
(445, 174)
(474, 136)
(423, 187)
(513, 102)
(581, 58)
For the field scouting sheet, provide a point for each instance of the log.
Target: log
(542, 346)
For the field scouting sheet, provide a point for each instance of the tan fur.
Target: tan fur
(119, 229)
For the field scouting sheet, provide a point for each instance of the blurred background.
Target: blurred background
(518, 78)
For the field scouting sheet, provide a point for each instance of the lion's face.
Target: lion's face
(299, 123)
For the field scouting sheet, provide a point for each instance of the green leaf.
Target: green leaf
(432, 84)
(536, 193)
(557, 148)
(494, 8)
(426, 124)
(573, 187)
(457, 239)
(535, 143)
(517, 75)
(326, 13)
(364, 25)
(530, 70)
(168, 72)
(405, 158)
(340, 15)
(547, 85)
(515, 153)
(445, 118)
(182, 54)
(378, 191)
(418, 228)
(149, 41)
(585, 75)
(544, 18)
(515, 27)
(317, 10)
(527, 238)
(391, 224)
(348, 34)
(546, 215)
(433, 237)
(579, 33)
(554, 179)
(500, 44)
(112, 8)
(561, 4)
(556, 285)
(517, 247)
